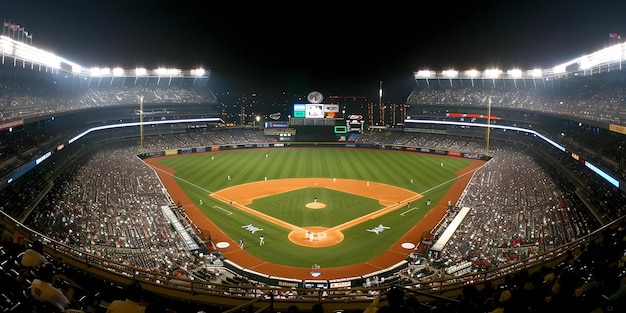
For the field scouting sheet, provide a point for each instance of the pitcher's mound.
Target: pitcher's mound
(315, 205)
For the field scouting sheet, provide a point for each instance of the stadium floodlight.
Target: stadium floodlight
(118, 71)
(76, 68)
(450, 73)
(616, 52)
(28, 53)
(424, 74)
(161, 71)
(535, 73)
(603, 56)
(31, 54)
(100, 71)
(472, 73)
(585, 63)
(140, 71)
(493, 73)
(515, 73)
(197, 72)
(6, 45)
(559, 69)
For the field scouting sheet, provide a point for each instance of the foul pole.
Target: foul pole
(488, 125)
(141, 124)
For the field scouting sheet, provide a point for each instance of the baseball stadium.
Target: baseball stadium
(482, 179)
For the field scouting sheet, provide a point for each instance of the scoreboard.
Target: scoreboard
(318, 121)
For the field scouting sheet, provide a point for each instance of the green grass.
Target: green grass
(340, 207)
(201, 174)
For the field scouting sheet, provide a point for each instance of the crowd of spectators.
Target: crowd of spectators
(520, 206)
(130, 226)
(37, 95)
(203, 138)
(581, 98)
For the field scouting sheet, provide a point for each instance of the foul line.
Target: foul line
(190, 183)
(181, 179)
(219, 207)
(409, 210)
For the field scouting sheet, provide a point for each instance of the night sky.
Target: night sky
(327, 46)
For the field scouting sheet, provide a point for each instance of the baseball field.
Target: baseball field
(348, 211)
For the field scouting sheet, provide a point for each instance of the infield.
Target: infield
(390, 198)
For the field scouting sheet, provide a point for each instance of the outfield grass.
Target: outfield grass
(204, 173)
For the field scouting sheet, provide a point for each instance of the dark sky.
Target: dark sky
(329, 47)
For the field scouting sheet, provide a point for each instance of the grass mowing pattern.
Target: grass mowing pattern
(201, 174)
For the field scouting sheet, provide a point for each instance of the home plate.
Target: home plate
(408, 245)
(224, 244)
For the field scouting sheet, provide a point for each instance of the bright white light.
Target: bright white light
(6, 45)
(168, 71)
(141, 71)
(118, 71)
(493, 73)
(197, 72)
(585, 63)
(95, 71)
(472, 73)
(535, 73)
(559, 69)
(424, 74)
(450, 73)
(515, 73)
(27, 52)
(616, 52)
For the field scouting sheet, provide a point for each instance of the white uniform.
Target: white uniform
(45, 292)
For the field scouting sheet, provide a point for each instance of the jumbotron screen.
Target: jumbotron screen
(315, 110)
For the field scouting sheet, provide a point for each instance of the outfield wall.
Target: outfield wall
(217, 148)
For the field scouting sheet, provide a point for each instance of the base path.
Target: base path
(391, 197)
(394, 255)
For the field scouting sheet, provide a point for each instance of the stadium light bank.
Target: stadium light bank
(25, 55)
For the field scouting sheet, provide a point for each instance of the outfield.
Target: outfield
(373, 180)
